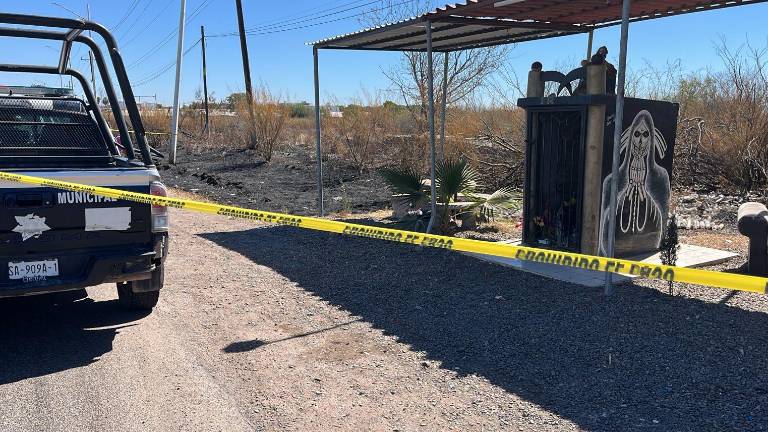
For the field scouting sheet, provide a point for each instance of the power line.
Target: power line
(169, 36)
(306, 18)
(257, 30)
(125, 16)
(165, 68)
(138, 17)
(157, 74)
(311, 17)
(139, 33)
(314, 18)
(267, 30)
(301, 14)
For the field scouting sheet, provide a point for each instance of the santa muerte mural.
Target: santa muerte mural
(643, 183)
(568, 166)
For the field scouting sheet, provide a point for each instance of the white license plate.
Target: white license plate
(33, 269)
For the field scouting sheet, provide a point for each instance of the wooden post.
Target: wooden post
(535, 83)
(246, 62)
(205, 83)
(593, 162)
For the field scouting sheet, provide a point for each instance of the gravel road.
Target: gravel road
(274, 328)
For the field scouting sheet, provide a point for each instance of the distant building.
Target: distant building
(149, 106)
(335, 111)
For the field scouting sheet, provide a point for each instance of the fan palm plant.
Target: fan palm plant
(454, 179)
(408, 184)
(502, 200)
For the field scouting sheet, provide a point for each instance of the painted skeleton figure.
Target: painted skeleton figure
(643, 186)
(635, 196)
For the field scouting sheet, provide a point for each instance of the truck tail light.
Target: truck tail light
(160, 222)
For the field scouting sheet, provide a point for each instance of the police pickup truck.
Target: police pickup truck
(55, 240)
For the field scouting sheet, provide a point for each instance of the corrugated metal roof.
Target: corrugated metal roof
(582, 12)
(479, 23)
(447, 34)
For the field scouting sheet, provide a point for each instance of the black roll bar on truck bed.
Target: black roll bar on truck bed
(90, 97)
(74, 29)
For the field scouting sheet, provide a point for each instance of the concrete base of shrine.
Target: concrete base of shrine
(688, 256)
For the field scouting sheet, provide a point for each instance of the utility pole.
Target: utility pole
(90, 53)
(246, 63)
(205, 82)
(179, 55)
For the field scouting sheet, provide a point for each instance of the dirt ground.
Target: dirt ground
(276, 328)
(287, 184)
(334, 333)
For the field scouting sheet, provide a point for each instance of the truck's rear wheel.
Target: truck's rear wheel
(136, 300)
(142, 295)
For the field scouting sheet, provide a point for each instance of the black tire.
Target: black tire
(136, 300)
(147, 297)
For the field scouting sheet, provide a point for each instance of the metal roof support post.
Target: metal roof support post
(590, 38)
(431, 119)
(444, 102)
(320, 206)
(618, 125)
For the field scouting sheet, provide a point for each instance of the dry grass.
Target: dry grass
(267, 122)
(723, 131)
(359, 135)
(722, 135)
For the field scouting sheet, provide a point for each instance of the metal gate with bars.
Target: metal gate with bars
(554, 177)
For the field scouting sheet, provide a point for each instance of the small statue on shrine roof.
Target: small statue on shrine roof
(600, 57)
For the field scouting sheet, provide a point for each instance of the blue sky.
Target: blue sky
(282, 61)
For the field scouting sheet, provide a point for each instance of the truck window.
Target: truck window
(44, 127)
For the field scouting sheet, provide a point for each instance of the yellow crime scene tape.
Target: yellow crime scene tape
(567, 259)
(145, 132)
